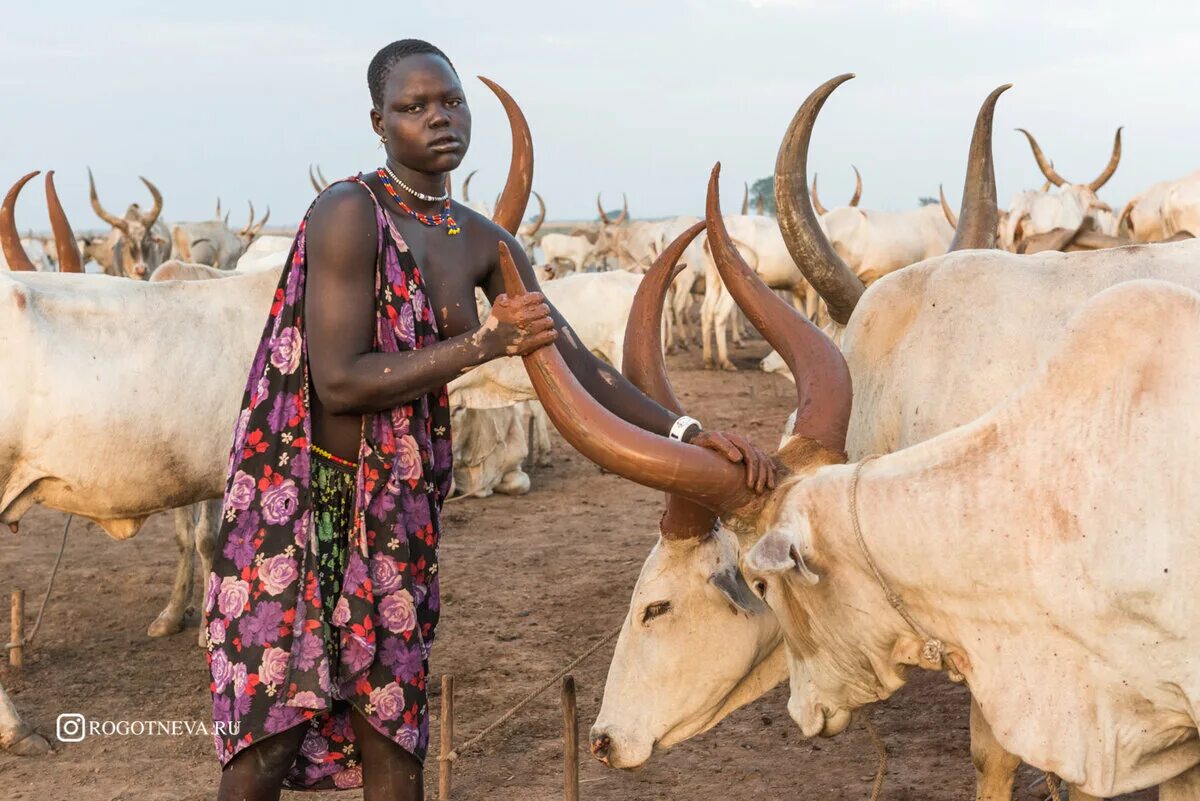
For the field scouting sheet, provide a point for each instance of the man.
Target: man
(319, 645)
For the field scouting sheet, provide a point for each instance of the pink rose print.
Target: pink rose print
(273, 669)
(408, 458)
(397, 612)
(388, 701)
(241, 491)
(233, 596)
(285, 350)
(277, 573)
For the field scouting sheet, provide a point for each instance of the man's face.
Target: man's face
(425, 115)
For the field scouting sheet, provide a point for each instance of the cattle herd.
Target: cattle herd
(990, 458)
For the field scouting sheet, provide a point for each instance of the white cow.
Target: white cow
(137, 242)
(575, 250)
(920, 363)
(1045, 553)
(1073, 207)
(213, 242)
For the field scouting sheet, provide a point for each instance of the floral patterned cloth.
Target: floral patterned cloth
(264, 608)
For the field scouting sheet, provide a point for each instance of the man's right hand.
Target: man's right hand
(518, 326)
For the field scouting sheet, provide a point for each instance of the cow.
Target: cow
(114, 426)
(214, 242)
(921, 364)
(1026, 553)
(137, 242)
(610, 240)
(570, 249)
(1055, 215)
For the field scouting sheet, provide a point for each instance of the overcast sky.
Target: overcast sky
(236, 99)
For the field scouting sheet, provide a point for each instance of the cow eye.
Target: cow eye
(760, 587)
(656, 609)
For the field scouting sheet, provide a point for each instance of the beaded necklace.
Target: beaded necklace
(434, 220)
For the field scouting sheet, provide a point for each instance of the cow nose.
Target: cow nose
(139, 269)
(600, 747)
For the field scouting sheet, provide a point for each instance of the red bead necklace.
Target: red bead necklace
(432, 220)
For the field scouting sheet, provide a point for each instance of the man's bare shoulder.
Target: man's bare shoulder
(341, 231)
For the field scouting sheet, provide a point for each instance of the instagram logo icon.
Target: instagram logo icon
(71, 727)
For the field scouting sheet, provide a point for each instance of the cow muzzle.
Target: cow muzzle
(617, 750)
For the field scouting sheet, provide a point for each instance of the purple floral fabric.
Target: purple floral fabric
(263, 608)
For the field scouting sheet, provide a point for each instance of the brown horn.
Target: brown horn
(600, 207)
(152, 215)
(70, 260)
(978, 214)
(694, 473)
(316, 185)
(541, 214)
(10, 239)
(823, 390)
(254, 232)
(814, 255)
(816, 199)
(1111, 167)
(218, 214)
(624, 210)
(1043, 163)
(745, 198)
(857, 186)
(645, 368)
(321, 178)
(946, 210)
(116, 222)
(760, 206)
(467, 186)
(249, 225)
(515, 197)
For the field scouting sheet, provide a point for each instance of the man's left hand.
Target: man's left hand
(760, 470)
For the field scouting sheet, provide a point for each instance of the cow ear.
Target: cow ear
(778, 554)
(733, 586)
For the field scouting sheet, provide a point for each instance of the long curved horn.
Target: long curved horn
(814, 255)
(1043, 163)
(321, 178)
(515, 197)
(249, 225)
(10, 239)
(979, 215)
(257, 229)
(745, 198)
(116, 222)
(645, 368)
(816, 199)
(694, 473)
(467, 186)
(70, 260)
(316, 185)
(760, 206)
(541, 214)
(857, 186)
(1111, 167)
(217, 216)
(149, 217)
(823, 389)
(946, 210)
(1125, 221)
(600, 208)
(624, 215)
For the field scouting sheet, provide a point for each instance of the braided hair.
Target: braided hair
(386, 58)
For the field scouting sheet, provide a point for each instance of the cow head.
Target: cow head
(252, 229)
(611, 235)
(137, 248)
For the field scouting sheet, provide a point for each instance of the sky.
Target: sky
(236, 100)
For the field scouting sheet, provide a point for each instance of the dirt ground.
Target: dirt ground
(528, 584)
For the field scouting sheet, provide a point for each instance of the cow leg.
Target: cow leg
(16, 736)
(726, 307)
(812, 302)
(514, 482)
(539, 431)
(995, 768)
(1184, 787)
(207, 525)
(170, 619)
(707, 312)
(681, 304)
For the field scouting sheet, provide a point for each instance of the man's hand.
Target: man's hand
(760, 470)
(518, 326)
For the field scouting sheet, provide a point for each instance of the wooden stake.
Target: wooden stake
(570, 740)
(447, 733)
(16, 654)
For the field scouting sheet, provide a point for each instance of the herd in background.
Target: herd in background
(919, 364)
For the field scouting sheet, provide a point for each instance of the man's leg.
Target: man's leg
(257, 772)
(389, 772)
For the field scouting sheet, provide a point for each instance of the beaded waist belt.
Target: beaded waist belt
(335, 459)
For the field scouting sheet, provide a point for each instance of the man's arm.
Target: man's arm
(617, 394)
(339, 306)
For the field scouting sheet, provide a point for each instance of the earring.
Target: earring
(382, 141)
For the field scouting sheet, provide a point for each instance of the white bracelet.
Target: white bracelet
(682, 425)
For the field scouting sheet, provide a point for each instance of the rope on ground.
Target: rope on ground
(880, 749)
(453, 755)
(38, 620)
